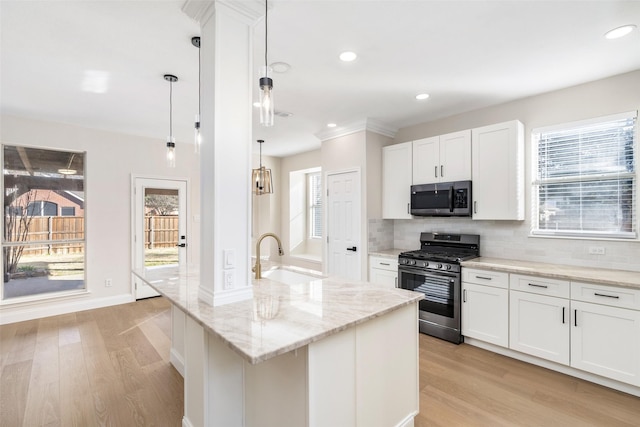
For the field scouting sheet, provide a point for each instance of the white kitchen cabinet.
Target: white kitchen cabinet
(605, 341)
(442, 158)
(497, 153)
(383, 271)
(485, 309)
(539, 325)
(396, 181)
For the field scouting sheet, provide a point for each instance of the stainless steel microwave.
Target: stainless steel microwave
(441, 199)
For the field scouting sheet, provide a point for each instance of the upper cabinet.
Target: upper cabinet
(442, 158)
(396, 181)
(497, 153)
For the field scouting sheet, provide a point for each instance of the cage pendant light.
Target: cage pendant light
(261, 177)
(171, 142)
(197, 137)
(266, 83)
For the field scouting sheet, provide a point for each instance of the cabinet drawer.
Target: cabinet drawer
(540, 285)
(383, 263)
(498, 279)
(606, 295)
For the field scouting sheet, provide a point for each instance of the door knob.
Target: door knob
(353, 248)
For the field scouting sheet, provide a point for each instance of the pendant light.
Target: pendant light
(197, 137)
(171, 142)
(266, 83)
(261, 177)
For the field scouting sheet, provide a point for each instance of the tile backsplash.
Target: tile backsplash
(507, 239)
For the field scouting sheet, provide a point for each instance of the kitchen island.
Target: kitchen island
(324, 352)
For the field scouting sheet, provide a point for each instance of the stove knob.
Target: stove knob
(439, 265)
(402, 261)
(448, 267)
(423, 264)
(426, 264)
(412, 262)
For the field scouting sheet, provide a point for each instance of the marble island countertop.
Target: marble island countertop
(622, 278)
(279, 318)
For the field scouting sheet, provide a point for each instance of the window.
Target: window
(67, 211)
(585, 182)
(42, 252)
(315, 205)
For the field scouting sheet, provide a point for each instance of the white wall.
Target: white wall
(266, 209)
(510, 239)
(111, 159)
(308, 160)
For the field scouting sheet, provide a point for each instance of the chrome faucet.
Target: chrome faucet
(258, 268)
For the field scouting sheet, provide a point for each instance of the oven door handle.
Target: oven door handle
(426, 273)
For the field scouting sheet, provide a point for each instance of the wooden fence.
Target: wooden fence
(159, 232)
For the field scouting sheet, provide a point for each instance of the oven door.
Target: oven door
(441, 303)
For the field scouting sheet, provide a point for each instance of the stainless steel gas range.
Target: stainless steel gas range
(434, 270)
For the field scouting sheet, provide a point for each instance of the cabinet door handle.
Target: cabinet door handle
(563, 315)
(475, 207)
(441, 171)
(436, 171)
(575, 317)
(605, 295)
(464, 295)
(408, 206)
(384, 263)
(538, 286)
(396, 282)
(483, 278)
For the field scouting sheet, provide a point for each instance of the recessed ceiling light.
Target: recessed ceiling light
(616, 33)
(331, 125)
(280, 67)
(348, 56)
(422, 96)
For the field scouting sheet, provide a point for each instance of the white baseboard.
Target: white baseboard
(568, 370)
(40, 309)
(177, 361)
(185, 422)
(408, 421)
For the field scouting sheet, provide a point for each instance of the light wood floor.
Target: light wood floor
(110, 367)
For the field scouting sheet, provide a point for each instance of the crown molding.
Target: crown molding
(370, 125)
(202, 10)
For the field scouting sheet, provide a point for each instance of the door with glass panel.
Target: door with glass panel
(43, 235)
(159, 232)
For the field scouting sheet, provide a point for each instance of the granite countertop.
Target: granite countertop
(622, 278)
(388, 253)
(279, 318)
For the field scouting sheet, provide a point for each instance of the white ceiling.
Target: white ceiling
(466, 54)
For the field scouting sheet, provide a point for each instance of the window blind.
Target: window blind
(585, 183)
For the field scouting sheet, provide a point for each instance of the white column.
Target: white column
(226, 118)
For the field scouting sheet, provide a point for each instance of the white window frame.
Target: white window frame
(311, 205)
(536, 182)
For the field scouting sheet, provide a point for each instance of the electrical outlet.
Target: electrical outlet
(229, 279)
(108, 283)
(596, 250)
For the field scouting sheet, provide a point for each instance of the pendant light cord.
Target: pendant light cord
(266, 33)
(170, 109)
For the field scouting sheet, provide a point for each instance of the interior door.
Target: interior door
(343, 225)
(160, 229)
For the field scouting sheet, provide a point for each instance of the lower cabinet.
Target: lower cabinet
(606, 341)
(383, 271)
(485, 313)
(539, 325)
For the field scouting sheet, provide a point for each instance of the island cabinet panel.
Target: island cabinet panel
(539, 325)
(387, 369)
(606, 341)
(332, 361)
